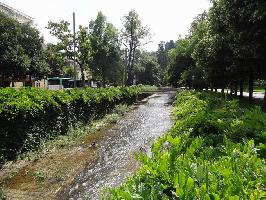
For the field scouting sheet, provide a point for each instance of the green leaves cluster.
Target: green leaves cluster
(225, 47)
(105, 49)
(21, 50)
(29, 115)
(64, 50)
(215, 150)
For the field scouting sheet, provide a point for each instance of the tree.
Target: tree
(245, 27)
(21, 51)
(162, 55)
(105, 49)
(163, 58)
(134, 35)
(180, 60)
(55, 60)
(66, 48)
(147, 69)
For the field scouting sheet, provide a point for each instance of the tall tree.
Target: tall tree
(180, 60)
(21, 51)
(245, 22)
(105, 48)
(134, 35)
(65, 44)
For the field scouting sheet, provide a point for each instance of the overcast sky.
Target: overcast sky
(167, 19)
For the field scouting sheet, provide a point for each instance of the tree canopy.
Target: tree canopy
(134, 35)
(105, 49)
(21, 51)
(225, 47)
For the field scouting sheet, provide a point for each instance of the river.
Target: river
(136, 132)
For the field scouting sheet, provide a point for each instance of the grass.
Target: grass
(149, 88)
(259, 90)
(39, 175)
(256, 88)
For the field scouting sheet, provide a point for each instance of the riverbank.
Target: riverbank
(214, 150)
(41, 174)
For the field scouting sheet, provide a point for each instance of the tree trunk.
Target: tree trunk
(264, 100)
(82, 76)
(235, 89)
(222, 91)
(250, 84)
(103, 78)
(231, 88)
(215, 90)
(2, 81)
(12, 83)
(129, 80)
(130, 67)
(241, 88)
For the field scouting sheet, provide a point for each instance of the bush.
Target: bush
(29, 115)
(211, 152)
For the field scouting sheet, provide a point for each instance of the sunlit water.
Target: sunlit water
(134, 133)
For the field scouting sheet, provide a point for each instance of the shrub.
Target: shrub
(29, 115)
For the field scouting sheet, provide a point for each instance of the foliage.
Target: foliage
(105, 49)
(147, 69)
(163, 58)
(213, 151)
(65, 46)
(180, 60)
(30, 114)
(21, 50)
(2, 195)
(134, 35)
(227, 48)
(55, 60)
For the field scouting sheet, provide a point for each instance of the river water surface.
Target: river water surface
(115, 162)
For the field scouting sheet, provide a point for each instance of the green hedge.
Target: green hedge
(29, 114)
(215, 150)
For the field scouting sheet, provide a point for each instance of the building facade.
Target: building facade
(15, 14)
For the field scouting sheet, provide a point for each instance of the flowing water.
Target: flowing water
(115, 162)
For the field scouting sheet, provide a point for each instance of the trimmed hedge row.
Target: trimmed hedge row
(215, 150)
(28, 115)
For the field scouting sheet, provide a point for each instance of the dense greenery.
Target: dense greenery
(225, 48)
(134, 35)
(78, 52)
(101, 52)
(29, 114)
(215, 150)
(21, 51)
(105, 51)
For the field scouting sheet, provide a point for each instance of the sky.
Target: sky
(167, 19)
